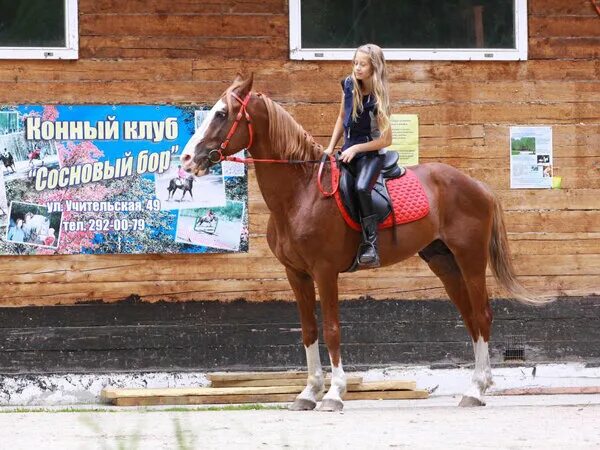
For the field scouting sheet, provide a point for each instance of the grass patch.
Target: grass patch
(116, 409)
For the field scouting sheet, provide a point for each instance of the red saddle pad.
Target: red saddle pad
(409, 201)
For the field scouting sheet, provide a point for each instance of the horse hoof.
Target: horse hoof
(331, 405)
(467, 402)
(302, 404)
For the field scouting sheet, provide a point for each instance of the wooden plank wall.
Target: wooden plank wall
(181, 51)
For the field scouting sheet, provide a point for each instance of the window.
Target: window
(38, 29)
(410, 29)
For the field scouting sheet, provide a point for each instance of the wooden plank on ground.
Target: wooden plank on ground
(238, 376)
(202, 399)
(350, 381)
(390, 385)
(110, 393)
(549, 390)
(278, 390)
(387, 395)
(257, 398)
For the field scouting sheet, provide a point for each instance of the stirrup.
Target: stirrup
(371, 262)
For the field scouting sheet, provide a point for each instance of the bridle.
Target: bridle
(242, 112)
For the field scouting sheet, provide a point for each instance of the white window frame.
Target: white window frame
(436, 54)
(69, 51)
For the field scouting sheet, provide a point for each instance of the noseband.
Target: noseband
(243, 111)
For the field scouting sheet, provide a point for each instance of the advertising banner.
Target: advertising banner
(98, 179)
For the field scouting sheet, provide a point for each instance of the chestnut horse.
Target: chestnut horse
(306, 232)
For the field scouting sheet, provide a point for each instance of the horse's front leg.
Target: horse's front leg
(328, 294)
(304, 290)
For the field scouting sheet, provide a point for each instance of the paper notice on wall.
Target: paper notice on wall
(405, 138)
(530, 157)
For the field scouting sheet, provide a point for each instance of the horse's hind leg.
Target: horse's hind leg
(472, 260)
(465, 285)
(304, 290)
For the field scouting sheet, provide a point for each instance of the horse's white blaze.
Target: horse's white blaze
(315, 381)
(338, 382)
(190, 147)
(482, 376)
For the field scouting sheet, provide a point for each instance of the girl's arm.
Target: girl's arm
(338, 130)
(385, 140)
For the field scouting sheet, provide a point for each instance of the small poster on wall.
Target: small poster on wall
(531, 157)
(405, 138)
(96, 179)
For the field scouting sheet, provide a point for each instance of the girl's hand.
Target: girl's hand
(328, 150)
(349, 154)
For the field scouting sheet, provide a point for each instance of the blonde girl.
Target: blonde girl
(364, 121)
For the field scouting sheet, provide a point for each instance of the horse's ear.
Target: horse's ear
(246, 85)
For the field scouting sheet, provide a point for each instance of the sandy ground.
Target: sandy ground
(69, 415)
(548, 422)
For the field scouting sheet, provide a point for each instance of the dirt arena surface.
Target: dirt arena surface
(539, 421)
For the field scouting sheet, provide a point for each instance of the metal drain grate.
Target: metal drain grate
(515, 348)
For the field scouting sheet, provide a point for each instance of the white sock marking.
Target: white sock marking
(315, 380)
(482, 375)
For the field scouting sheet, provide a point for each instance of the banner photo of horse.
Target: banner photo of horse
(3, 202)
(212, 227)
(21, 158)
(97, 179)
(177, 189)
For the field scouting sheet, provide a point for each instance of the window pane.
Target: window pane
(32, 23)
(422, 24)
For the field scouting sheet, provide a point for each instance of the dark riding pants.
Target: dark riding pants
(367, 167)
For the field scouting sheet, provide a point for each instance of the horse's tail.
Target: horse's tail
(501, 263)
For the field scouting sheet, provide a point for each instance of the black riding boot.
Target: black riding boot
(367, 252)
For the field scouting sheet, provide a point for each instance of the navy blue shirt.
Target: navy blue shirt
(364, 128)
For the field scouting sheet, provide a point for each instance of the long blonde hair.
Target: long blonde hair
(380, 86)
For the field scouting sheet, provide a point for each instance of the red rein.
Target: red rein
(335, 178)
(334, 174)
(244, 112)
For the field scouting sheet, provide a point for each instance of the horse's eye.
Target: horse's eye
(220, 114)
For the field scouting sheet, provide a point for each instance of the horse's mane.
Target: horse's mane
(287, 136)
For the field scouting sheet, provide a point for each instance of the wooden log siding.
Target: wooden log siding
(174, 51)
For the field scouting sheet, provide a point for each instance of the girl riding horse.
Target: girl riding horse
(364, 120)
(8, 160)
(463, 231)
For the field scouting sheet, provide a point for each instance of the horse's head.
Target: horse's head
(222, 132)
